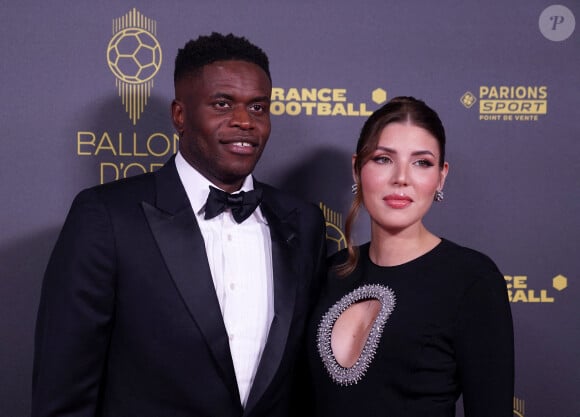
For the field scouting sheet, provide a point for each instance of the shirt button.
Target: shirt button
(231, 337)
(229, 238)
(232, 286)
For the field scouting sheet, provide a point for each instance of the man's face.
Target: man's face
(223, 116)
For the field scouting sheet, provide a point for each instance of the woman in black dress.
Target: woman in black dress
(409, 321)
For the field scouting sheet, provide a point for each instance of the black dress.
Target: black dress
(444, 329)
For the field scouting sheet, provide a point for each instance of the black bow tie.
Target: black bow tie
(241, 204)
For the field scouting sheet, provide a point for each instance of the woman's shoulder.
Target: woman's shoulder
(337, 258)
(464, 262)
(465, 255)
(341, 256)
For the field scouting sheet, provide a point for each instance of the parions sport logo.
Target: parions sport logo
(511, 103)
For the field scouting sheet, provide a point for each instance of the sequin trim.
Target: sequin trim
(348, 376)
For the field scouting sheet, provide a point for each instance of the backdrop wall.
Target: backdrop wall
(77, 110)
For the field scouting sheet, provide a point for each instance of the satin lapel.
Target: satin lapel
(179, 239)
(283, 227)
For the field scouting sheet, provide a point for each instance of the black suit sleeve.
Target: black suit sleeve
(75, 313)
(321, 263)
(303, 401)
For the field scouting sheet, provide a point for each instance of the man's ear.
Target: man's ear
(177, 116)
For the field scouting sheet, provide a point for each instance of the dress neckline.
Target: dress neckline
(364, 255)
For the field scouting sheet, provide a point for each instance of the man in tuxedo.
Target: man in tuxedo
(165, 299)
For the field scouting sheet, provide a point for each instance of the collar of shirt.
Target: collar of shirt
(197, 187)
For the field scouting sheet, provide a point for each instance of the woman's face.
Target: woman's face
(400, 179)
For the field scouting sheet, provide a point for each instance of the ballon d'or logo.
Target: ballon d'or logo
(334, 233)
(134, 57)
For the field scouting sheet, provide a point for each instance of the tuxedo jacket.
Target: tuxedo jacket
(129, 324)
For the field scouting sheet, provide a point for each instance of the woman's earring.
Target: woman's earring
(354, 188)
(438, 196)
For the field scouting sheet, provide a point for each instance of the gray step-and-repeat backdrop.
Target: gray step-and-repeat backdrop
(86, 89)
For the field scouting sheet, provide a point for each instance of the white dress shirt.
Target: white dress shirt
(240, 260)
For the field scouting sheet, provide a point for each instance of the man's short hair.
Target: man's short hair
(217, 47)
